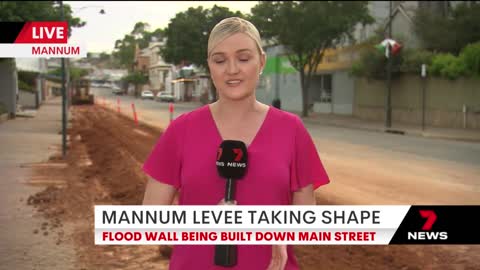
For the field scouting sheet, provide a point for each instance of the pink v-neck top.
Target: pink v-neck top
(282, 158)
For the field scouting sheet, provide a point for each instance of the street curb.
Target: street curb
(445, 137)
(3, 117)
(397, 132)
(343, 126)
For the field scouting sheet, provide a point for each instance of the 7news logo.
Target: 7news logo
(426, 233)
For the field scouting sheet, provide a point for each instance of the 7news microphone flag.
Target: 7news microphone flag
(287, 224)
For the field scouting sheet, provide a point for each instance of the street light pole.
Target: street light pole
(388, 105)
(276, 100)
(64, 98)
(102, 10)
(424, 77)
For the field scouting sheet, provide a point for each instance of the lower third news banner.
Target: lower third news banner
(298, 225)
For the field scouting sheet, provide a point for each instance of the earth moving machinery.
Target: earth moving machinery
(81, 92)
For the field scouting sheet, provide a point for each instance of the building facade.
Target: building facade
(8, 87)
(332, 88)
(160, 74)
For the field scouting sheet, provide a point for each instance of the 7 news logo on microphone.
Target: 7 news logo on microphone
(439, 224)
(232, 154)
(37, 39)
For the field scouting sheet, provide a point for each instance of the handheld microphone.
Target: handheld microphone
(232, 165)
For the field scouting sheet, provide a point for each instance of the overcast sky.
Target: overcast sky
(101, 31)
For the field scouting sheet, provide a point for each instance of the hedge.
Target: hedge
(372, 64)
(3, 109)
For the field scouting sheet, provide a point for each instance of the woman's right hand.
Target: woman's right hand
(223, 202)
(279, 257)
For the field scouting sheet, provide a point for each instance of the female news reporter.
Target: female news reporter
(283, 165)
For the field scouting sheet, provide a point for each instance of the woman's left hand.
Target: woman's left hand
(279, 257)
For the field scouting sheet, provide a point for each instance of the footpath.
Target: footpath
(27, 142)
(470, 135)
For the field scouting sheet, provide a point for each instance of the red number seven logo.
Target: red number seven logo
(219, 153)
(431, 218)
(239, 153)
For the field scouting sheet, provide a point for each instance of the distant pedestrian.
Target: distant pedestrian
(283, 164)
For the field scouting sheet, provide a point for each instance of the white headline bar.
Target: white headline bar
(249, 217)
(42, 50)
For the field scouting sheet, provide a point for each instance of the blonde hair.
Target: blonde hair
(230, 26)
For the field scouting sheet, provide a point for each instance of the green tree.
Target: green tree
(20, 11)
(139, 29)
(307, 29)
(451, 33)
(27, 80)
(141, 34)
(158, 34)
(104, 56)
(136, 78)
(372, 62)
(75, 73)
(124, 52)
(187, 34)
(471, 56)
(185, 38)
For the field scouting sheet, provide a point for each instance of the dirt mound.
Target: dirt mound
(49, 195)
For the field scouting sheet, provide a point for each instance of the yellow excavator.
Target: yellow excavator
(81, 92)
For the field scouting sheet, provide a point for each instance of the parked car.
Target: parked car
(147, 94)
(162, 96)
(105, 85)
(117, 90)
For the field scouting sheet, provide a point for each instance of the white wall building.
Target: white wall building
(161, 74)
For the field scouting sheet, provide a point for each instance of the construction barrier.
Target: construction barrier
(134, 113)
(170, 109)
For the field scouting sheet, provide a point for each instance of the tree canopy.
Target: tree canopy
(20, 11)
(140, 35)
(75, 73)
(187, 34)
(136, 78)
(451, 33)
(307, 28)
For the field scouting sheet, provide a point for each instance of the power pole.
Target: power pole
(388, 104)
(64, 98)
(276, 100)
(424, 83)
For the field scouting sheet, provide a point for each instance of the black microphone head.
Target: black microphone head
(232, 159)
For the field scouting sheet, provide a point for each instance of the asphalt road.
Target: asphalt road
(367, 167)
(146, 104)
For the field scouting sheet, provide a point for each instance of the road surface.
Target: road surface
(368, 167)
